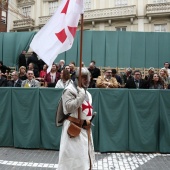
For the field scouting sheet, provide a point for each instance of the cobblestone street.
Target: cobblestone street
(24, 159)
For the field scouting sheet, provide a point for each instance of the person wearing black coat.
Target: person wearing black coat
(22, 59)
(15, 82)
(136, 82)
(3, 80)
(3, 68)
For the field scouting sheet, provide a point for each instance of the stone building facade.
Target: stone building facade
(3, 15)
(112, 15)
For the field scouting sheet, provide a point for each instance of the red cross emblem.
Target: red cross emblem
(61, 35)
(86, 108)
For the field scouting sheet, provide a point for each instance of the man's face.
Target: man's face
(30, 75)
(151, 72)
(14, 76)
(85, 81)
(67, 68)
(54, 68)
(166, 65)
(91, 66)
(137, 75)
(30, 66)
(108, 74)
(71, 67)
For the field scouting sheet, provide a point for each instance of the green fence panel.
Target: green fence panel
(6, 134)
(13, 44)
(95, 128)
(25, 113)
(98, 47)
(164, 49)
(124, 49)
(113, 120)
(138, 50)
(143, 120)
(111, 59)
(1, 46)
(151, 49)
(164, 137)
(50, 134)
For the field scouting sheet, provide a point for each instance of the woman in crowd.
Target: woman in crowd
(164, 76)
(22, 73)
(156, 82)
(52, 77)
(43, 72)
(65, 79)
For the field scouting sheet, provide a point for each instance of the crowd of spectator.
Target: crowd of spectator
(33, 73)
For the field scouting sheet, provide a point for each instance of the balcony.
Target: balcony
(110, 13)
(159, 9)
(126, 12)
(23, 24)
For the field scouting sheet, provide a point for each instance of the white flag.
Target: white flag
(58, 34)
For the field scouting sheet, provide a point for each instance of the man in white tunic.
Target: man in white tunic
(77, 153)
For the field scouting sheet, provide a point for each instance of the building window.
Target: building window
(3, 17)
(160, 28)
(160, 1)
(26, 11)
(52, 7)
(87, 5)
(121, 2)
(120, 28)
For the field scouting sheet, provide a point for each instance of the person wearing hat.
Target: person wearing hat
(76, 152)
(149, 77)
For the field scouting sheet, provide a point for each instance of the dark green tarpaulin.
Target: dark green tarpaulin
(143, 120)
(25, 113)
(107, 48)
(50, 135)
(6, 134)
(164, 139)
(126, 120)
(13, 44)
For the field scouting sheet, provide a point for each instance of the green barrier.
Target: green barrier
(6, 134)
(164, 138)
(113, 120)
(25, 113)
(143, 120)
(126, 120)
(50, 134)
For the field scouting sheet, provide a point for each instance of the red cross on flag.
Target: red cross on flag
(58, 34)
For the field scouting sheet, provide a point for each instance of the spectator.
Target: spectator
(149, 77)
(22, 73)
(41, 64)
(61, 65)
(52, 77)
(72, 71)
(22, 59)
(31, 66)
(136, 82)
(33, 59)
(107, 81)
(156, 82)
(127, 75)
(4, 68)
(30, 81)
(64, 79)
(15, 81)
(164, 76)
(43, 72)
(3, 80)
(95, 72)
(166, 66)
(118, 78)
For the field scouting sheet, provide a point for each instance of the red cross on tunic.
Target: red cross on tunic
(89, 107)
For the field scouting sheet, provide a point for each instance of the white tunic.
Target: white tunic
(74, 152)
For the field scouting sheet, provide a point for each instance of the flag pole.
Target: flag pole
(81, 52)
(81, 49)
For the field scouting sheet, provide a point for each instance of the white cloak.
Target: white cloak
(74, 152)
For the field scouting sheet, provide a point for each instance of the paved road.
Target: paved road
(24, 159)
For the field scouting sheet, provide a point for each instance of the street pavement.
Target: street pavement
(27, 159)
